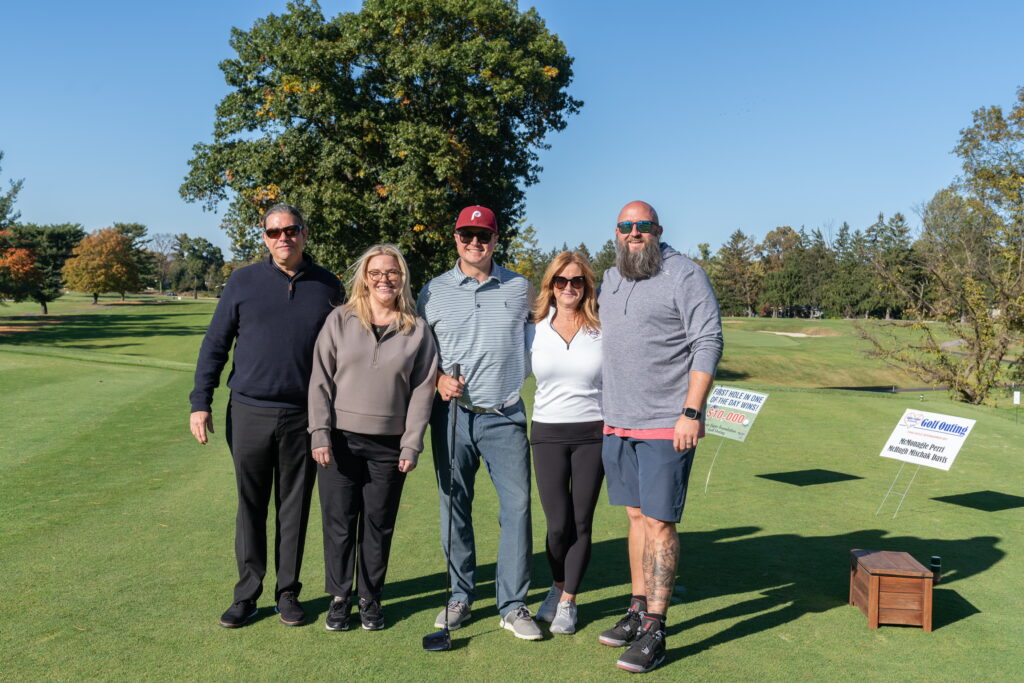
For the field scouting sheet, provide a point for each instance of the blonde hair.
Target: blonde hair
(587, 310)
(359, 291)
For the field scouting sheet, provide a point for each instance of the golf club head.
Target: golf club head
(438, 641)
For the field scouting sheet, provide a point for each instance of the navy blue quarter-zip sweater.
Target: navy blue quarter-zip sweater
(272, 319)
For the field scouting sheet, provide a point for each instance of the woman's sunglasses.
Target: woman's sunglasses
(290, 231)
(560, 282)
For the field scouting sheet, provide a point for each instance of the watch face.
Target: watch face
(691, 413)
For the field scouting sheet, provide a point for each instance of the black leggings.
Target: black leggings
(567, 460)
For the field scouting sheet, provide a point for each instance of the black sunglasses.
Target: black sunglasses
(467, 236)
(560, 282)
(290, 231)
(643, 227)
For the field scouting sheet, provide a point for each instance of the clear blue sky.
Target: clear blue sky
(725, 115)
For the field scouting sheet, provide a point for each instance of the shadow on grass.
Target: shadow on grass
(90, 331)
(793, 575)
(798, 575)
(986, 501)
(949, 607)
(809, 477)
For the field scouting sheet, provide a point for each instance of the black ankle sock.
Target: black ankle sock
(638, 603)
(653, 620)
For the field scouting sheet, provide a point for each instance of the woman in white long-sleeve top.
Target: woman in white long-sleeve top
(370, 396)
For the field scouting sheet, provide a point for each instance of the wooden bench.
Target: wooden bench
(891, 588)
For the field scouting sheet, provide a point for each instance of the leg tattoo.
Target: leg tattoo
(661, 552)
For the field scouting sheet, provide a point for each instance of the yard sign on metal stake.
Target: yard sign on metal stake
(729, 414)
(924, 439)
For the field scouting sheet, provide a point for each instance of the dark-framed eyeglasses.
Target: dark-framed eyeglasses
(377, 275)
(643, 227)
(467, 235)
(290, 231)
(559, 282)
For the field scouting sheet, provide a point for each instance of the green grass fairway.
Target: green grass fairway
(117, 529)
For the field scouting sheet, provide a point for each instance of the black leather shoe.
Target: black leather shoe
(238, 614)
(290, 610)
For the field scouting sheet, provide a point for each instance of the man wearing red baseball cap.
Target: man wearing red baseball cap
(479, 312)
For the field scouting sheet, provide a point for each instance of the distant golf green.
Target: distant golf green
(116, 528)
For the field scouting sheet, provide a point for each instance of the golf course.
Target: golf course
(116, 527)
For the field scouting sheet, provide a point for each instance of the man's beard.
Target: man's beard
(638, 265)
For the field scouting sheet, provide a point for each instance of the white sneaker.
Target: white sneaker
(547, 609)
(565, 618)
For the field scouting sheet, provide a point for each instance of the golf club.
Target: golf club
(442, 640)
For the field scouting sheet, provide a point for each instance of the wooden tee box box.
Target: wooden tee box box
(891, 588)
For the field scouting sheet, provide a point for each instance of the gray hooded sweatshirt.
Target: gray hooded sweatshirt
(655, 331)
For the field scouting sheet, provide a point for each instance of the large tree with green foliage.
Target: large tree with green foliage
(737, 276)
(381, 124)
(201, 262)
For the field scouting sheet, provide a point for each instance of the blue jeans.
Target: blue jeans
(501, 441)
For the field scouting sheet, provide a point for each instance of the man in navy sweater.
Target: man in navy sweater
(271, 312)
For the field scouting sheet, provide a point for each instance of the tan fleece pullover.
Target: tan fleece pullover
(367, 386)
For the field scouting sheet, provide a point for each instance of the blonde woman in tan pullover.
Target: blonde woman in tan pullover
(369, 402)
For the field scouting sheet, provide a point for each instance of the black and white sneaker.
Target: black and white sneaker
(290, 610)
(646, 652)
(238, 614)
(624, 631)
(338, 614)
(371, 614)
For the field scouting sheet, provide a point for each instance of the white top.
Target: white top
(568, 375)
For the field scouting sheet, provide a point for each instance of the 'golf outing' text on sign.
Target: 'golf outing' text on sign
(928, 439)
(730, 412)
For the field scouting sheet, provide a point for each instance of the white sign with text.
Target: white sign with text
(731, 412)
(928, 439)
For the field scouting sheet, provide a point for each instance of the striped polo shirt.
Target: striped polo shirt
(481, 326)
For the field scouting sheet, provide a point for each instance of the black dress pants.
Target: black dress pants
(359, 494)
(271, 451)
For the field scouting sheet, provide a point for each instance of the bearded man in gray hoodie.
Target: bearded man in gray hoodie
(662, 340)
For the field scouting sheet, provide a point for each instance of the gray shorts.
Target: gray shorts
(648, 474)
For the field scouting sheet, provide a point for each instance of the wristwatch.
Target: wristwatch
(691, 413)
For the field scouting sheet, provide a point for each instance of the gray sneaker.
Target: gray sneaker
(458, 614)
(522, 624)
(547, 609)
(565, 618)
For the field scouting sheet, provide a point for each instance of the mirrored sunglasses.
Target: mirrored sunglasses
(643, 227)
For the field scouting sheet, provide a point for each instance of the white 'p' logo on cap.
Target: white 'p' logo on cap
(476, 214)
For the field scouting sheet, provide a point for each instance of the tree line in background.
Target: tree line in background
(38, 262)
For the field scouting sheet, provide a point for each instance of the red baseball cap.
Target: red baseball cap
(477, 217)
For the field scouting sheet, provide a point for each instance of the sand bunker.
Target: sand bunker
(793, 334)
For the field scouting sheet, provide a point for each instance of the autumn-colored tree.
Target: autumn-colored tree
(103, 262)
(382, 124)
(19, 274)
